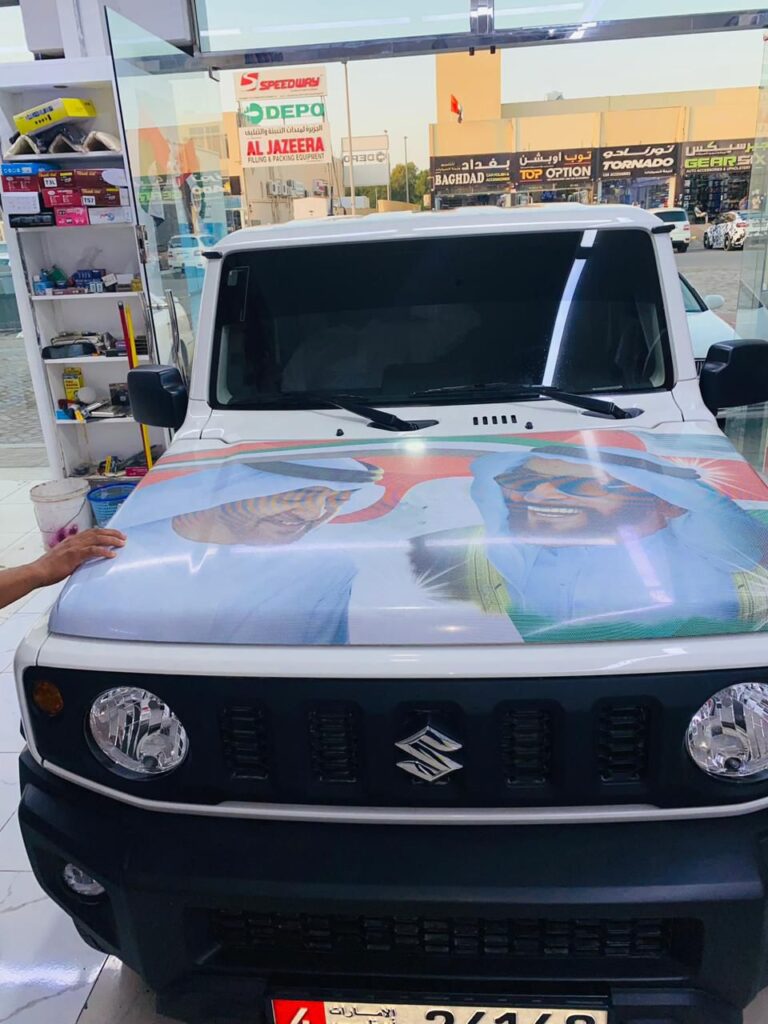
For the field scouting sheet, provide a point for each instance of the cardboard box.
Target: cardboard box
(87, 177)
(53, 197)
(104, 196)
(31, 220)
(55, 112)
(21, 202)
(21, 183)
(71, 217)
(113, 215)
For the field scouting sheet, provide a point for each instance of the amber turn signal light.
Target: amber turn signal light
(47, 697)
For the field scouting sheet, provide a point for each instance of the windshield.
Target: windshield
(672, 215)
(382, 320)
(691, 301)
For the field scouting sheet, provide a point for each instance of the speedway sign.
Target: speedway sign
(280, 83)
(265, 145)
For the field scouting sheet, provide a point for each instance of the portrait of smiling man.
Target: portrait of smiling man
(231, 553)
(601, 543)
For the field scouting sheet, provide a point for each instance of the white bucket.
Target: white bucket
(61, 509)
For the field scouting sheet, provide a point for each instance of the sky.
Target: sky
(399, 94)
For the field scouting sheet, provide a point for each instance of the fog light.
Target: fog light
(47, 697)
(728, 736)
(80, 883)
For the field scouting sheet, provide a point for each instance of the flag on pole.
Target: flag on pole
(456, 108)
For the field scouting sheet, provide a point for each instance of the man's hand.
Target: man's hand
(61, 561)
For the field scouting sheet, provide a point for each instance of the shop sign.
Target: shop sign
(491, 172)
(289, 144)
(370, 158)
(553, 165)
(255, 113)
(657, 160)
(716, 157)
(281, 83)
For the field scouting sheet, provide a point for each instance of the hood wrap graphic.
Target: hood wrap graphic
(552, 538)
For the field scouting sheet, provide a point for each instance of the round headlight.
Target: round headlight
(137, 733)
(728, 736)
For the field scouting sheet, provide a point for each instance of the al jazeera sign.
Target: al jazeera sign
(265, 145)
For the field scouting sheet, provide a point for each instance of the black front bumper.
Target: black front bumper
(171, 880)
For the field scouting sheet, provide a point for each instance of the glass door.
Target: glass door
(176, 145)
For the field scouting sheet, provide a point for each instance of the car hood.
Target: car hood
(578, 536)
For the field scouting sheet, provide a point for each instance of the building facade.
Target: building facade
(693, 149)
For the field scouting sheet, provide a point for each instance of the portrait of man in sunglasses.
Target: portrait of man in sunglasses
(602, 543)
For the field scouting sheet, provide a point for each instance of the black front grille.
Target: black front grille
(623, 742)
(244, 741)
(478, 938)
(333, 743)
(526, 745)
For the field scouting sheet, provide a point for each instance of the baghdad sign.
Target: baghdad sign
(286, 144)
(553, 165)
(490, 172)
(282, 83)
(657, 160)
(717, 157)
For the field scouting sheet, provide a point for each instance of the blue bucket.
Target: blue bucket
(107, 499)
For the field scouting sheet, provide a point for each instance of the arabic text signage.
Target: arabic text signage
(256, 113)
(555, 165)
(489, 172)
(287, 144)
(282, 83)
(717, 157)
(657, 160)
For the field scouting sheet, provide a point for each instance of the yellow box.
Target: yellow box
(72, 379)
(58, 111)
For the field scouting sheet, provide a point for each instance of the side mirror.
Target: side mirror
(158, 396)
(714, 301)
(735, 373)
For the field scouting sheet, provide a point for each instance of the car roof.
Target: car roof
(667, 209)
(468, 220)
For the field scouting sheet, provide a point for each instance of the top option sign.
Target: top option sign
(280, 83)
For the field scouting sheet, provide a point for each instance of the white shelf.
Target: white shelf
(114, 296)
(76, 227)
(98, 420)
(76, 360)
(67, 158)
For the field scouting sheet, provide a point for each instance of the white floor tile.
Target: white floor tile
(757, 1013)
(11, 740)
(9, 788)
(13, 856)
(33, 475)
(14, 629)
(47, 971)
(41, 600)
(25, 550)
(120, 997)
(16, 517)
(8, 538)
(9, 487)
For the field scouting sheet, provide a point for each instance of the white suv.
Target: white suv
(681, 233)
(186, 251)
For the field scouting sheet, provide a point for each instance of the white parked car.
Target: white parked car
(185, 251)
(705, 326)
(432, 676)
(681, 233)
(728, 231)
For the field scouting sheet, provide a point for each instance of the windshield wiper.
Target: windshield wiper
(351, 403)
(516, 392)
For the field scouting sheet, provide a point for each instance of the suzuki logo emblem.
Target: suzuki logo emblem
(428, 751)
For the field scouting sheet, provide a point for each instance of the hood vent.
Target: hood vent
(496, 420)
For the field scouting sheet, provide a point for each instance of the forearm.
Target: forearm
(18, 582)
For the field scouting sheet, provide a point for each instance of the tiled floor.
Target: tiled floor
(47, 974)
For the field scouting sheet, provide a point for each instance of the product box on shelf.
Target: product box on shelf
(104, 196)
(21, 183)
(86, 177)
(45, 219)
(21, 202)
(55, 112)
(53, 197)
(107, 215)
(71, 216)
(21, 168)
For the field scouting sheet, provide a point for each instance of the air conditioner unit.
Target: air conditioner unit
(273, 188)
(284, 190)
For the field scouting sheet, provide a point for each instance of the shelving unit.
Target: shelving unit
(112, 246)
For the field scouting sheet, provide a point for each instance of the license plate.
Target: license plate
(297, 1011)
